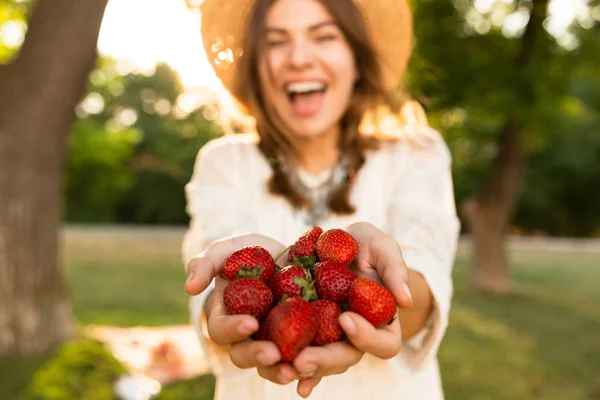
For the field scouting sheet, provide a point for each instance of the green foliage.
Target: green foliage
(138, 173)
(15, 13)
(97, 170)
(200, 388)
(472, 82)
(83, 369)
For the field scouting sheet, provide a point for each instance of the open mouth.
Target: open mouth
(306, 98)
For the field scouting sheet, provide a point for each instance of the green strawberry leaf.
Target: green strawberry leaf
(309, 261)
(250, 272)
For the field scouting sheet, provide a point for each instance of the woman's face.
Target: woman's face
(307, 69)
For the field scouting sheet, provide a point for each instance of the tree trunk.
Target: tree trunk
(38, 93)
(489, 211)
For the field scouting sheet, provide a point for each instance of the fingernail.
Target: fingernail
(263, 359)
(407, 291)
(348, 325)
(284, 379)
(190, 276)
(307, 371)
(244, 328)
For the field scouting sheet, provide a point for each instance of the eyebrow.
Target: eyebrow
(310, 28)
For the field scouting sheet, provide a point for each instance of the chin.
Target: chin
(310, 132)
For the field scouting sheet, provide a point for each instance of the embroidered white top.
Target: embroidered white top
(405, 188)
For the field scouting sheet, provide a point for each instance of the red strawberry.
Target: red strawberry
(249, 262)
(333, 282)
(293, 281)
(292, 325)
(262, 333)
(329, 329)
(248, 296)
(303, 251)
(320, 264)
(373, 301)
(338, 246)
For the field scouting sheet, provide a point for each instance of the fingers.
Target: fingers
(331, 359)
(306, 386)
(223, 328)
(227, 329)
(251, 354)
(281, 374)
(379, 256)
(201, 272)
(384, 343)
(391, 267)
(206, 265)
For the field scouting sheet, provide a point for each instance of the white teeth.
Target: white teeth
(304, 87)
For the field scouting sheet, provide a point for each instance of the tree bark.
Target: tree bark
(489, 211)
(38, 93)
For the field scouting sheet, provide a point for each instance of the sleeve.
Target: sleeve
(425, 225)
(214, 195)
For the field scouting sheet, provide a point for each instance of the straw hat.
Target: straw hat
(389, 24)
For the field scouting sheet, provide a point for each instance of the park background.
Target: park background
(92, 207)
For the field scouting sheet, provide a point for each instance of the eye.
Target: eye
(326, 37)
(275, 43)
(272, 40)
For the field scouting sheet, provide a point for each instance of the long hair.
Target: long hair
(369, 93)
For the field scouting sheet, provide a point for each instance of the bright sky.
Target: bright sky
(143, 32)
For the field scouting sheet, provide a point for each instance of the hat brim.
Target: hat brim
(389, 23)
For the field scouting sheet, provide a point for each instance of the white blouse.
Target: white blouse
(405, 189)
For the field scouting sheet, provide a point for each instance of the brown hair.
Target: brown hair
(369, 92)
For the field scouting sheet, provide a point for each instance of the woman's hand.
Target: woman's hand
(233, 330)
(379, 258)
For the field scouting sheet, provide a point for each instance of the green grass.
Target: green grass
(540, 342)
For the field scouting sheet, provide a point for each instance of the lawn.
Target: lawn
(541, 342)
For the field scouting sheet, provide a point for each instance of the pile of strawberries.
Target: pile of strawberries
(299, 305)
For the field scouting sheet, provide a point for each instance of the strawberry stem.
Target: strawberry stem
(282, 253)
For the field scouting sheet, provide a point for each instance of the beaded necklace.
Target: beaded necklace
(321, 194)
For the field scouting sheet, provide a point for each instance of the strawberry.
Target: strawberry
(373, 301)
(293, 281)
(303, 251)
(333, 282)
(338, 246)
(292, 325)
(329, 329)
(320, 264)
(262, 333)
(249, 262)
(248, 296)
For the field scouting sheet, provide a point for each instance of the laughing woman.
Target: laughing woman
(314, 75)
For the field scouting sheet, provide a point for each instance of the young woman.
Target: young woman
(316, 76)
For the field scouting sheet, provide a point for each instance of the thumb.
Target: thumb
(201, 272)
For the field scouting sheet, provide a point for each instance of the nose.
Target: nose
(301, 54)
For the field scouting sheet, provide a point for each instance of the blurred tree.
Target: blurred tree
(98, 174)
(500, 87)
(39, 89)
(172, 126)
